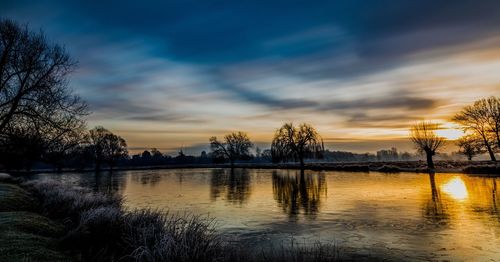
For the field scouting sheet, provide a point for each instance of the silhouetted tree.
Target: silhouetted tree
(426, 140)
(483, 118)
(61, 148)
(21, 148)
(493, 104)
(155, 153)
(106, 147)
(234, 147)
(470, 146)
(266, 155)
(116, 149)
(146, 155)
(33, 81)
(296, 143)
(39, 115)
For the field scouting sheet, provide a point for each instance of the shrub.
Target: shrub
(62, 202)
(158, 236)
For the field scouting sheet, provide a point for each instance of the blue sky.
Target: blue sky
(173, 73)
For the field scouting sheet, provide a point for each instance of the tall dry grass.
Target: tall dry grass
(99, 228)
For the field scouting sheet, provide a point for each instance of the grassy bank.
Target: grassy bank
(48, 221)
(25, 235)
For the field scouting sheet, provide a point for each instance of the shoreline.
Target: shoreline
(486, 168)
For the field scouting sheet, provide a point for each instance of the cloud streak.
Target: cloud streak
(221, 66)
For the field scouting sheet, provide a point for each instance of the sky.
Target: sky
(170, 74)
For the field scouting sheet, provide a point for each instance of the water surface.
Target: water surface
(400, 216)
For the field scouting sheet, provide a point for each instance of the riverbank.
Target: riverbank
(49, 221)
(25, 234)
(467, 167)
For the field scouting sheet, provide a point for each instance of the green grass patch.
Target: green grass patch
(14, 198)
(26, 236)
(28, 222)
(20, 246)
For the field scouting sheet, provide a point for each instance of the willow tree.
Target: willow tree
(296, 143)
(235, 146)
(423, 135)
(483, 119)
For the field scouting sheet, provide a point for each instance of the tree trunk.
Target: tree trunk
(498, 139)
(490, 151)
(301, 159)
(430, 163)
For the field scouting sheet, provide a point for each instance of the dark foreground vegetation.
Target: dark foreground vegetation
(48, 221)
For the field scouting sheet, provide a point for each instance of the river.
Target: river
(402, 216)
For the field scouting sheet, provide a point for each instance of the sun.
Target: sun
(449, 131)
(456, 189)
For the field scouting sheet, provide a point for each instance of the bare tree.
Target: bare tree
(115, 149)
(106, 147)
(33, 79)
(235, 146)
(493, 104)
(296, 143)
(482, 119)
(35, 101)
(426, 140)
(470, 146)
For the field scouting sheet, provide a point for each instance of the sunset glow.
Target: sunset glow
(170, 83)
(450, 131)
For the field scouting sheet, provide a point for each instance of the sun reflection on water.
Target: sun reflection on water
(456, 188)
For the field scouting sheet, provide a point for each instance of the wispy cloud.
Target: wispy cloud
(193, 69)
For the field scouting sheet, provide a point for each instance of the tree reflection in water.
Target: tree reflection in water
(484, 195)
(494, 196)
(296, 192)
(147, 178)
(108, 182)
(434, 209)
(235, 183)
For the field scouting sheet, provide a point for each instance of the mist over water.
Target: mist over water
(422, 216)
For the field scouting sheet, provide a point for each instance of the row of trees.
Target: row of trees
(480, 123)
(290, 143)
